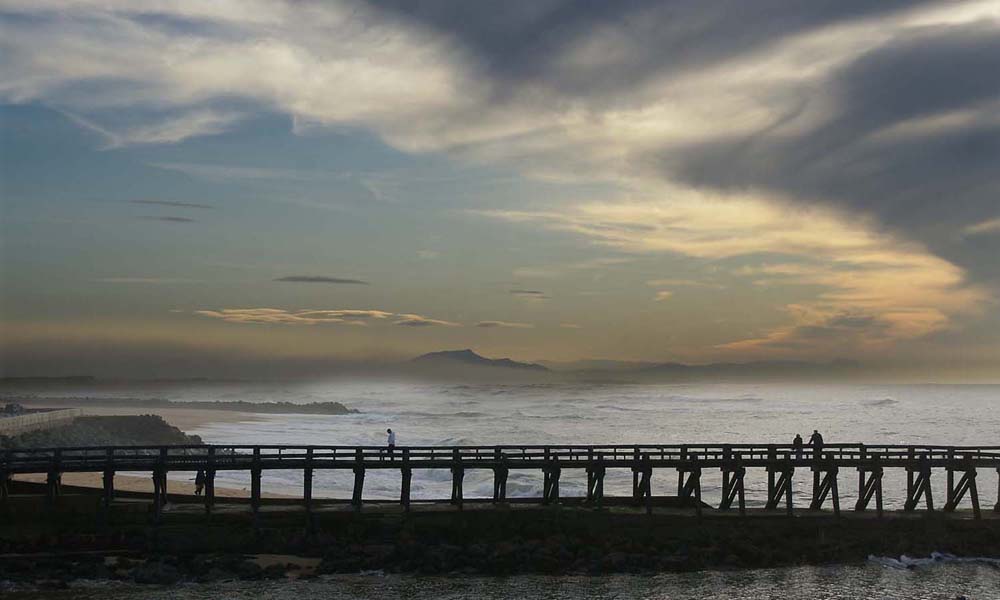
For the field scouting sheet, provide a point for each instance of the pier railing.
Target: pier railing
(961, 464)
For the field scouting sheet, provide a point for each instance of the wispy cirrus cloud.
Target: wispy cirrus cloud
(281, 316)
(321, 279)
(170, 130)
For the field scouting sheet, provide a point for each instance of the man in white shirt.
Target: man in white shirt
(390, 441)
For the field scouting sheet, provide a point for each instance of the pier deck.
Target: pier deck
(960, 465)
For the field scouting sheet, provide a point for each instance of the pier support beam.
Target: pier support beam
(359, 488)
(869, 485)
(918, 485)
(966, 484)
(779, 482)
(307, 484)
(406, 477)
(53, 486)
(996, 507)
(4, 486)
(255, 473)
(732, 486)
(690, 483)
(550, 485)
(595, 485)
(826, 473)
(457, 479)
(53, 479)
(643, 490)
(210, 481)
(500, 473)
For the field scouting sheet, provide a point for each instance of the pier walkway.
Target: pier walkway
(868, 463)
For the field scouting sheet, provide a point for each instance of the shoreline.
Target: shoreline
(143, 485)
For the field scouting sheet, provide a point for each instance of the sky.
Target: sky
(192, 188)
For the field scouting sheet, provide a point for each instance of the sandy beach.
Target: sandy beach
(133, 483)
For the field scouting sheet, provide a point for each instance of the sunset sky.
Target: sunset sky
(192, 186)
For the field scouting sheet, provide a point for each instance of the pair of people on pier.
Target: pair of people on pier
(815, 441)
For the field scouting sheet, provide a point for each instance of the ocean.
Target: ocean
(487, 414)
(424, 413)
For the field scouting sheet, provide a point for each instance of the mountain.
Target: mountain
(449, 358)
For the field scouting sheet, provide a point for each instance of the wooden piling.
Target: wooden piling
(255, 475)
(210, 481)
(919, 485)
(406, 475)
(690, 476)
(966, 484)
(826, 472)
(457, 479)
(869, 485)
(733, 474)
(357, 496)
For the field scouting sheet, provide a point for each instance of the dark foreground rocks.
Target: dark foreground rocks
(232, 545)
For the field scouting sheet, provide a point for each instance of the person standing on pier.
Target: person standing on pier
(816, 441)
(797, 446)
(390, 441)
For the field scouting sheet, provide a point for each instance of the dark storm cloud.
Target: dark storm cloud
(167, 219)
(524, 41)
(321, 279)
(172, 204)
(882, 152)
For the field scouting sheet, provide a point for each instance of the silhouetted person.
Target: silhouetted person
(816, 441)
(390, 441)
(797, 446)
(199, 482)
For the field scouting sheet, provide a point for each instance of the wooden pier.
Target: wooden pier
(688, 462)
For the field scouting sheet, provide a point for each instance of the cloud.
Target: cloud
(987, 227)
(170, 130)
(569, 326)
(296, 317)
(858, 137)
(529, 294)
(503, 325)
(320, 279)
(149, 280)
(167, 219)
(411, 320)
(903, 289)
(172, 204)
(675, 282)
(663, 295)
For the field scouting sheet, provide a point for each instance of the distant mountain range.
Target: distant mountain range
(467, 357)
(466, 364)
(611, 370)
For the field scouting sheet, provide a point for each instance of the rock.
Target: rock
(249, 570)
(156, 572)
(216, 574)
(274, 571)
